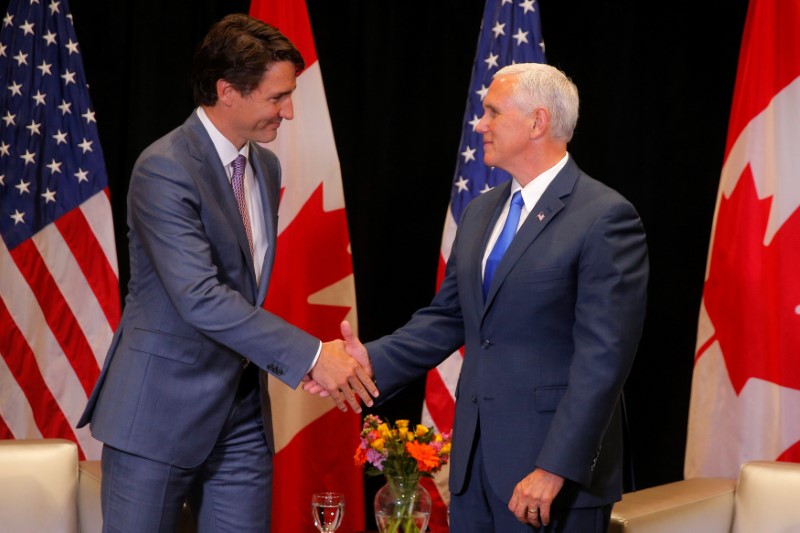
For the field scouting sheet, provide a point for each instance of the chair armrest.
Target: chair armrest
(768, 497)
(703, 505)
(38, 485)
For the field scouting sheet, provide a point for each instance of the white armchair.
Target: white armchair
(765, 498)
(43, 487)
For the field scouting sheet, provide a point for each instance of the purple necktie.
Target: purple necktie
(503, 241)
(237, 182)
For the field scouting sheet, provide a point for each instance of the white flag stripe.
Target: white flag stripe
(448, 234)
(15, 411)
(92, 448)
(53, 364)
(450, 370)
(75, 287)
(97, 211)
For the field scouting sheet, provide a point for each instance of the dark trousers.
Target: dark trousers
(229, 492)
(479, 510)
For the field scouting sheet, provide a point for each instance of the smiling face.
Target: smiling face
(257, 115)
(505, 127)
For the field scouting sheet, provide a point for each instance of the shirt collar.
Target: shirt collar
(536, 187)
(225, 149)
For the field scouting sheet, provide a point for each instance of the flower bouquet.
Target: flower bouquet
(402, 455)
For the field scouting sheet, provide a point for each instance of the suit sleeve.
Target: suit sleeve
(165, 207)
(609, 316)
(428, 338)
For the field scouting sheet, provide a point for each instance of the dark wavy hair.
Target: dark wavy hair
(238, 49)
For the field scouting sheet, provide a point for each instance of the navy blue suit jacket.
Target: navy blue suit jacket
(547, 353)
(193, 309)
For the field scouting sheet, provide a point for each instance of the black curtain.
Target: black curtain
(656, 82)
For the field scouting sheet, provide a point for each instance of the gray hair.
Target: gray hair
(540, 85)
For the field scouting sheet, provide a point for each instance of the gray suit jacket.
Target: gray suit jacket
(547, 353)
(193, 309)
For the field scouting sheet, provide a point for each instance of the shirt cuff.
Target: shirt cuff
(316, 357)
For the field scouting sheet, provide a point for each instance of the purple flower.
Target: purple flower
(376, 458)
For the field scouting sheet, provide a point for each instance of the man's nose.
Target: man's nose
(287, 109)
(480, 127)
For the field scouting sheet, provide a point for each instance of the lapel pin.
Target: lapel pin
(540, 216)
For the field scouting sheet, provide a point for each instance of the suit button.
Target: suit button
(485, 343)
(474, 398)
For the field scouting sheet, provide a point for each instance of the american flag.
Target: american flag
(510, 33)
(59, 289)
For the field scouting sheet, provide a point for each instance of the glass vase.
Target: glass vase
(402, 505)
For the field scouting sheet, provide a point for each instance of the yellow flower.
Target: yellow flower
(401, 450)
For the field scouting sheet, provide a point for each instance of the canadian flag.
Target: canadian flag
(311, 287)
(745, 402)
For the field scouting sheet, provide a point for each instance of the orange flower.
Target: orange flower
(360, 456)
(400, 449)
(425, 455)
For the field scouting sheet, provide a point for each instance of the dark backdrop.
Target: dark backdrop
(656, 81)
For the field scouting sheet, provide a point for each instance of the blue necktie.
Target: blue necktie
(503, 241)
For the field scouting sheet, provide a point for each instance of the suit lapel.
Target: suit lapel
(538, 219)
(202, 149)
(264, 180)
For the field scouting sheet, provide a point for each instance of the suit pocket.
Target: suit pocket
(537, 276)
(548, 398)
(165, 345)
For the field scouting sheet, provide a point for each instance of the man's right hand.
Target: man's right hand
(354, 347)
(342, 376)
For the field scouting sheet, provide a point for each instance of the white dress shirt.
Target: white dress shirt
(227, 154)
(531, 194)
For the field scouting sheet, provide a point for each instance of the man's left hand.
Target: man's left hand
(532, 497)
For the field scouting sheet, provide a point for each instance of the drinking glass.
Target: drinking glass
(327, 508)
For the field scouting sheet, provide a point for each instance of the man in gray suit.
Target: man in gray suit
(181, 404)
(549, 338)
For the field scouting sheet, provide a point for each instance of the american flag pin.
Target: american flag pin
(540, 216)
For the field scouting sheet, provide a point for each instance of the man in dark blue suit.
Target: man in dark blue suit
(550, 327)
(181, 404)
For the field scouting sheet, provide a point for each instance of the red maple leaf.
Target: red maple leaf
(752, 293)
(312, 253)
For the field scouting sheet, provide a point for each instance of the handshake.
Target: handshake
(343, 372)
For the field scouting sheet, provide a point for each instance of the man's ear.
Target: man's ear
(225, 92)
(540, 123)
